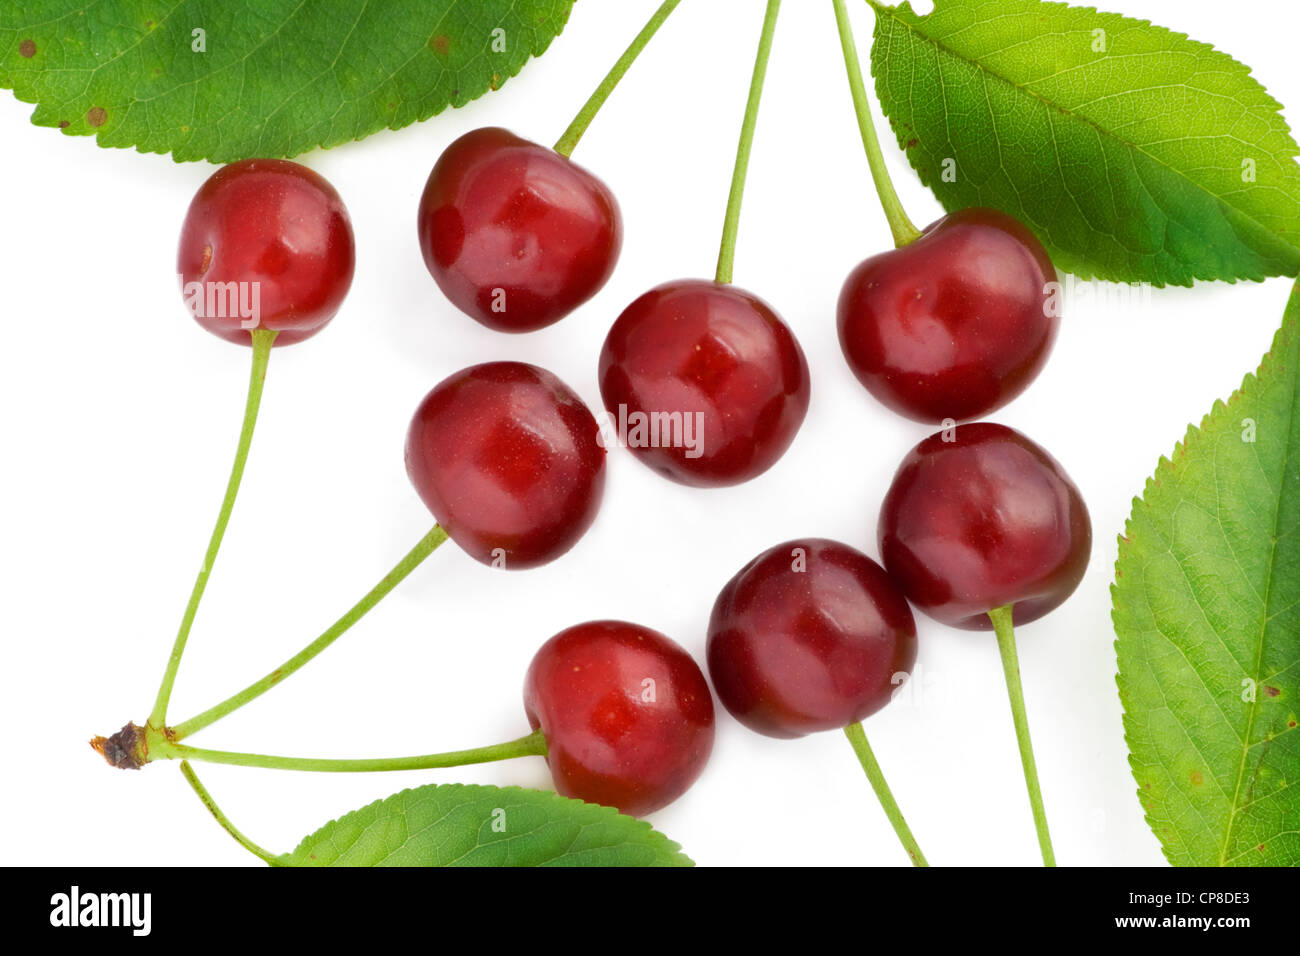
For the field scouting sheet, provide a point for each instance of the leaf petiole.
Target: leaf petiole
(731, 224)
(858, 739)
(426, 546)
(566, 143)
(1002, 627)
(192, 779)
(904, 231)
(263, 339)
(533, 744)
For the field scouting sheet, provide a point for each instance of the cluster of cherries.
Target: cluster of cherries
(812, 634)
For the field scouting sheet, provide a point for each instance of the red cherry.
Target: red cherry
(278, 235)
(955, 324)
(714, 379)
(811, 635)
(984, 521)
(626, 713)
(516, 235)
(509, 461)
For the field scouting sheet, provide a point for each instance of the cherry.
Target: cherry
(955, 324)
(626, 713)
(707, 384)
(516, 235)
(811, 635)
(274, 233)
(509, 461)
(986, 520)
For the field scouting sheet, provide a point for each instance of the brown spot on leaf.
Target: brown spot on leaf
(27, 49)
(1290, 723)
(63, 124)
(1197, 779)
(912, 142)
(496, 81)
(1271, 691)
(96, 115)
(440, 44)
(1260, 848)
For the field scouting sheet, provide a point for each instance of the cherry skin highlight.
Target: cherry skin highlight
(626, 713)
(955, 324)
(984, 521)
(811, 635)
(710, 383)
(509, 461)
(278, 231)
(516, 235)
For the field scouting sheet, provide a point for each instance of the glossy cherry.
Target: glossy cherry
(275, 233)
(954, 324)
(509, 461)
(706, 384)
(811, 635)
(985, 520)
(626, 713)
(516, 235)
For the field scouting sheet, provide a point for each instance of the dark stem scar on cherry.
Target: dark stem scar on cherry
(27, 49)
(96, 115)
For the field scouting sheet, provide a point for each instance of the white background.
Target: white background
(120, 414)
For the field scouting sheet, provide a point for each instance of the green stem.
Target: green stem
(533, 744)
(902, 228)
(426, 546)
(731, 224)
(564, 146)
(192, 778)
(1002, 626)
(263, 339)
(858, 738)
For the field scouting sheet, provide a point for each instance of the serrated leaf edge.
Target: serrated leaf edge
(669, 846)
(1168, 469)
(1081, 268)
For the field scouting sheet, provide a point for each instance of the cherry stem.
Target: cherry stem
(858, 738)
(263, 339)
(532, 745)
(1002, 627)
(426, 546)
(901, 226)
(731, 224)
(192, 779)
(564, 146)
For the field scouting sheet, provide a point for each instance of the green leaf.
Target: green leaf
(1131, 163)
(465, 825)
(1207, 614)
(274, 78)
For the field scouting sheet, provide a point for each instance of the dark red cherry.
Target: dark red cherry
(516, 235)
(954, 324)
(509, 461)
(626, 713)
(983, 521)
(811, 635)
(266, 244)
(704, 381)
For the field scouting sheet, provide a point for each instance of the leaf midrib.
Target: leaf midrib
(1246, 745)
(892, 12)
